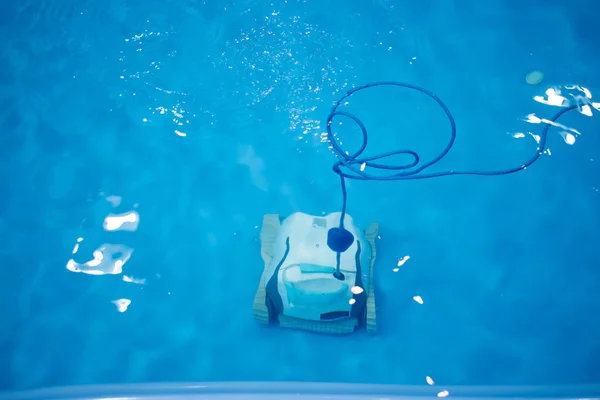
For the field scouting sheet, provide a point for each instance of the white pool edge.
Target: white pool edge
(299, 390)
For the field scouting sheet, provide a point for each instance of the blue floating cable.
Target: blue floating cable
(339, 239)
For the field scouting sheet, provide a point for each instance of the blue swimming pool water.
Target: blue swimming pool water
(200, 117)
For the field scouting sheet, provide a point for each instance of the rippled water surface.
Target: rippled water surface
(142, 143)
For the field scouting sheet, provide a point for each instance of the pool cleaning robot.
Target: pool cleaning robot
(318, 271)
(305, 286)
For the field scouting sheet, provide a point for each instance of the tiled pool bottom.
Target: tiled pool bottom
(99, 127)
(496, 307)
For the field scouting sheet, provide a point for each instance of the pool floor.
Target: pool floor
(194, 120)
